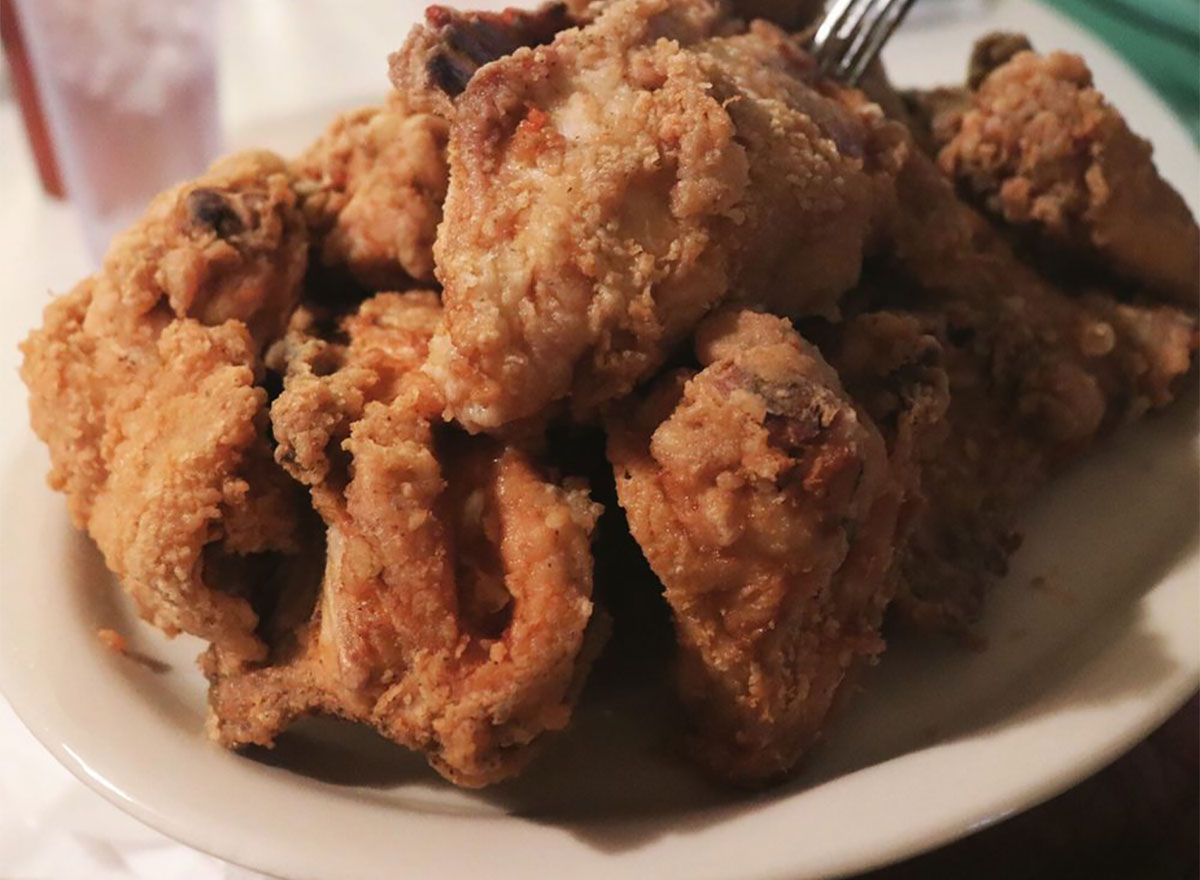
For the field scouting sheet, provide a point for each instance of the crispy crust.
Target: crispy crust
(454, 614)
(765, 500)
(143, 384)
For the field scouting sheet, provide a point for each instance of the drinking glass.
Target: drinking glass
(129, 91)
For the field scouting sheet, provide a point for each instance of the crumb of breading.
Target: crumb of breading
(113, 640)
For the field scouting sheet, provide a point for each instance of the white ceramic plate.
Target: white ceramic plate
(939, 743)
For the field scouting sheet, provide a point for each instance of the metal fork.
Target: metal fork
(852, 34)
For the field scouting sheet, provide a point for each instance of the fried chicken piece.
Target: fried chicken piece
(991, 51)
(766, 502)
(440, 55)
(1025, 403)
(929, 112)
(1037, 375)
(143, 383)
(455, 607)
(328, 386)
(1076, 354)
(1040, 149)
(611, 187)
(932, 115)
(372, 189)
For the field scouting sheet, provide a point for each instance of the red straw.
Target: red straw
(27, 97)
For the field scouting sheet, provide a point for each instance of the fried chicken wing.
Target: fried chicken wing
(455, 606)
(143, 383)
(1041, 149)
(766, 502)
(372, 189)
(609, 188)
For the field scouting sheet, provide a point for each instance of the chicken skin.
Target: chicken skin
(455, 605)
(766, 502)
(372, 189)
(609, 188)
(144, 383)
(1037, 375)
(1040, 149)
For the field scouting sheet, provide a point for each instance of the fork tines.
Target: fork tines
(853, 33)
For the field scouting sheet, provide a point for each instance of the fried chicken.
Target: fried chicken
(1020, 411)
(932, 115)
(441, 54)
(455, 606)
(144, 384)
(371, 190)
(1040, 149)
(868, 376)
(766, 502)
(1037, 375)
(609, 188)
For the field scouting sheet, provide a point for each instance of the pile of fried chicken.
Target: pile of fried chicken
(330, 414)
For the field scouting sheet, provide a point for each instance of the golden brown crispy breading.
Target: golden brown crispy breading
(143, 384)
(372, 189)
(1024, 404)
(1036, 374)
(801, 245)
(1041, 149)
(1076, 358)
(329, 385)
(765, 501)
(584, 189)
(457, 585)
(228, 246)
(611, 187)
(932, 115)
